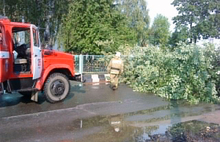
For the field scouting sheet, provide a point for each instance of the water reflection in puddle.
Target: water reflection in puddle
(167, 123)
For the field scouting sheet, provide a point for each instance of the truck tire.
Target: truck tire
(56, 88)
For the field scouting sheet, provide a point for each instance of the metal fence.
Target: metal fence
(90, 64)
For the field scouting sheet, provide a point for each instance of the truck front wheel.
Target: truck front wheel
(56, 88)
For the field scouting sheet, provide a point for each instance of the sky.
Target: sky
(163, 7)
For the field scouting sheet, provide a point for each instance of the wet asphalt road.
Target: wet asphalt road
(93, 113)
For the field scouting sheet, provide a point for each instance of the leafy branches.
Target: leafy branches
(187, 73)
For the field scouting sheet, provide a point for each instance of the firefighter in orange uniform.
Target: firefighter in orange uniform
(115, 69)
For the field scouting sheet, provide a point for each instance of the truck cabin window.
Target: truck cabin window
(2, 41)
(36, 39)
(21, 42)
(1, 38)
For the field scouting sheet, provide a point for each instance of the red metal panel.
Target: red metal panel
(4, 55)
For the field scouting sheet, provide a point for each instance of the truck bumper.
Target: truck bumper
(78, 78)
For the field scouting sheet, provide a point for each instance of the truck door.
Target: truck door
(36, 55)
(4, 55)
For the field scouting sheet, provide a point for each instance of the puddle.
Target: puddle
(167, 123)
(189, 132)
(115, 129)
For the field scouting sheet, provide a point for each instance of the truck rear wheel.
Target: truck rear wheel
(56, 88)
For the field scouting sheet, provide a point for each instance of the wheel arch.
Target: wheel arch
(54, 69)
(64, 71)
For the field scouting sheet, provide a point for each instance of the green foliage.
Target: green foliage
(187, 73)
(137, 16)
(159, 34)
(179, 35)
(201, 17)
(38, 12)
(92, 24)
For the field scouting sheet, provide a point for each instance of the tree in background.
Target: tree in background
(38, 12)
(159, 33)
(138, 18)
(179, 35)
(90, 25)
(201, 17)
(15, 9)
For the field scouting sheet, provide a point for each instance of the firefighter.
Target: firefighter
(115, 69)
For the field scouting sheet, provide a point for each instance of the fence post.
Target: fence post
(81, 65)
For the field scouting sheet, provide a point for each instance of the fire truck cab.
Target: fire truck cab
(27, 68)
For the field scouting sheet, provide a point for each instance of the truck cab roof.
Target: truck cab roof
(6, 21)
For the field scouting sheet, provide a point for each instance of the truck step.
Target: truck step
(28, 90)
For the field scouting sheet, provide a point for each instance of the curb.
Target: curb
(95, 78)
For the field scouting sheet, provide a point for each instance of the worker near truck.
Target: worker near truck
(115, 69)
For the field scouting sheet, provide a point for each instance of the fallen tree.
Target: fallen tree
(187, 72)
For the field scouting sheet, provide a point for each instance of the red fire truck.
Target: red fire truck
(27, 68)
